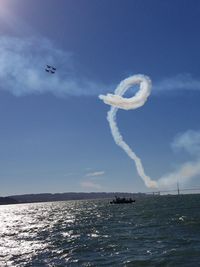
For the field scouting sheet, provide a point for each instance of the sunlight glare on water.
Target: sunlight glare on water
(155, 231)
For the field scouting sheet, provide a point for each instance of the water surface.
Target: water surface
(155, 231)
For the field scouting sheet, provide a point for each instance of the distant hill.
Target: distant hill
(7, 200)
(46, 197)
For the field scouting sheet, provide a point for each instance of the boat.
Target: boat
(122, 200)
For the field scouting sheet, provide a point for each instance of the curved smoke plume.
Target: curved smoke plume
(117, 101)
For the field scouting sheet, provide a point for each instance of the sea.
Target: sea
(153, 231)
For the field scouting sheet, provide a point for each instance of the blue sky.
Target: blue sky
(54, 136)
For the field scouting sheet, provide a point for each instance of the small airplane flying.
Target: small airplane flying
(50, 69)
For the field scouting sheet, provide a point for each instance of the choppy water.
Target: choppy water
(156, 231)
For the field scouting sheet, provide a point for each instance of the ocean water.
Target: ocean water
(154, 231)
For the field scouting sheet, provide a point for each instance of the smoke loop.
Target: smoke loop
(117, 101)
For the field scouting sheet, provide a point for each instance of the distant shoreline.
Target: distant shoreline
(53, 197)
(49, 197)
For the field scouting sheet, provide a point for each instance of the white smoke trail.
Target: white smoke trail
(117, 101)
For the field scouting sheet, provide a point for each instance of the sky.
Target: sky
(54, 135)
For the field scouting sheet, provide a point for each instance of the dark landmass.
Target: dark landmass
(7, 200)
(47, 197)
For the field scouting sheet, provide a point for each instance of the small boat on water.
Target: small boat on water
(122, 200)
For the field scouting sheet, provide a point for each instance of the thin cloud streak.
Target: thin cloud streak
(180, 82)
(92, 174)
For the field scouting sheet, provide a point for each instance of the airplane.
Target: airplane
(50, 69)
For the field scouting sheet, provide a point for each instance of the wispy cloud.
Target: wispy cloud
(22, 64)
(94, 174)
(90, 182)
(23, 60)
(176, 83)
(188, 141)
(183, 174)
(90, 185)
